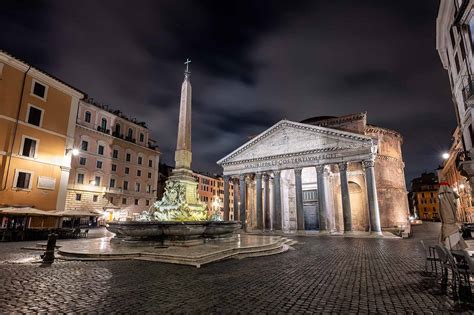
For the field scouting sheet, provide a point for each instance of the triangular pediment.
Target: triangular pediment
(287, 137)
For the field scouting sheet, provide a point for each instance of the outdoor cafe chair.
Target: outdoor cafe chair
(430, 258)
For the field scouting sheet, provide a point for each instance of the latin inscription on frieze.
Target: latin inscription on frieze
(292, 160)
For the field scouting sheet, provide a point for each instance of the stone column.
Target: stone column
(372, 196)
(299, 199)
(243, 201)
(321, 198)
(346, 202)
(258, 179)
(236, 199)
(277, 201)
(266, 202)
(226, 198)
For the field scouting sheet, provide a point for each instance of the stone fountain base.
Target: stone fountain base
(172, 233)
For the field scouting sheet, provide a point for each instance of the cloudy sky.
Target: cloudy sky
(253, 63)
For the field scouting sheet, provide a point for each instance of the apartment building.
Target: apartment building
(37, 125)
(211, 192)
(116, 168)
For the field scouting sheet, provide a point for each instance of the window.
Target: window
(137, 187)
(117, 130)
(112, 183)
(99, 164)
(87, 117)
(80, 178)
(39, 89)
(149, 175)
(111, 199)
(23, 180)
(29, 147)
(150, 163)
(124, 201)
(127, 170)
(82, 161)
(130, 133)
(101, 150)
(84, 145)
(95, 198)
(78, 197)
(142, 137)
(34, 115)
(456, 60)
(139, 173)
(114, 168)
(125, 185)
(148, 188)
(453, 39)
(136, 202)
(103, 124)
(140, 160)
(127, 158)
(147, 202)
(115, 154)
(97, 180)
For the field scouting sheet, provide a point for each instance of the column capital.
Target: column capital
(277, 173)
(342, 166)
(298, 171)
(258, 175)
(265, 177)
(242, 177)
(320, 168)
(226, 178)
(368, 163)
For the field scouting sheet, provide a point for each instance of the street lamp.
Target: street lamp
(445, 155)
(74, 151)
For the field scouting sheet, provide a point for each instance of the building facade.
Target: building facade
(211, 191)
(116, 170)
(325, 173)
(425, 196)
(37, 124)
(455, 42)
(450, 173)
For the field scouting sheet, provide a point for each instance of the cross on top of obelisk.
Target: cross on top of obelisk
(187, 62)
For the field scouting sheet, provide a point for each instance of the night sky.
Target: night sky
(253, 64)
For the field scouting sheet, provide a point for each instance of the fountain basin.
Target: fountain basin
(171, 232)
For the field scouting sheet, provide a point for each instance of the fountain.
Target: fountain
(179, 218)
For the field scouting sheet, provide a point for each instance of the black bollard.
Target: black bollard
(48, 256)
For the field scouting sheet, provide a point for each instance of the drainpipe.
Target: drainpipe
(15, 128)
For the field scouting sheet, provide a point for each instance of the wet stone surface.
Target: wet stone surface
(323, 274)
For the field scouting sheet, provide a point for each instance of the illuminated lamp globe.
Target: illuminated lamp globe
(445, 155)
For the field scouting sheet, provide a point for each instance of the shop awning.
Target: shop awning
(78, 213)
(27, 211)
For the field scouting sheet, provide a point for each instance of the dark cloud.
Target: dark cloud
(254, 63)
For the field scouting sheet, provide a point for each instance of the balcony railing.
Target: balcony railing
(104, 130)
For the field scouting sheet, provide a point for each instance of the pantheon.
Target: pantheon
(334, 174)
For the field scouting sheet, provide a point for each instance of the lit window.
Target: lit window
(34, 115)
(29, 147)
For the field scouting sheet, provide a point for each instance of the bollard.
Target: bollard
(48, 256)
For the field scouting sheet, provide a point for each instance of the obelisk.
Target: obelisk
(183, 156)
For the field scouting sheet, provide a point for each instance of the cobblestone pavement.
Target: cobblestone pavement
(323, 274)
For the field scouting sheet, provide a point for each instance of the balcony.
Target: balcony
(130, 139)
(107, 131)
(117, 135)
(113, 190)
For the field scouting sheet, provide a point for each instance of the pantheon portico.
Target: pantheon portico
(302, 176)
